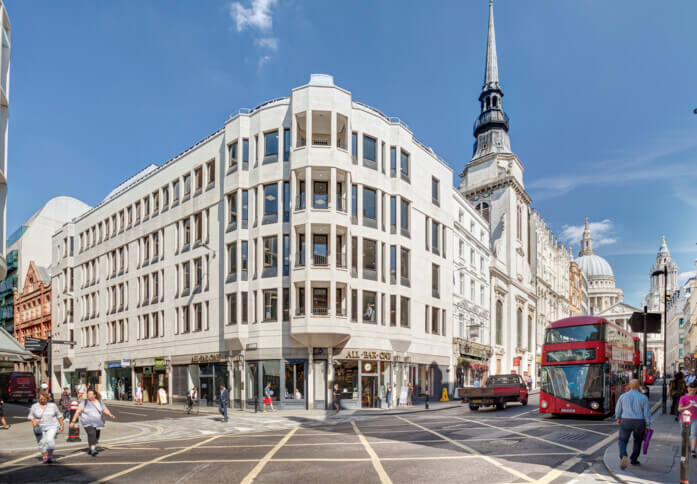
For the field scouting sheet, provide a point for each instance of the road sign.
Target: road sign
(63, 342)
(35, 344)
(653, 322)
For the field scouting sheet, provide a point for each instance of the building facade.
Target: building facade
(32, 315)
(297, 246)
(677, 327)
(575, 288)
(4, 125)
(493, 182)
(471, 293)
(31, 244)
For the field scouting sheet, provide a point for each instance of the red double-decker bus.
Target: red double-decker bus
(586, 364)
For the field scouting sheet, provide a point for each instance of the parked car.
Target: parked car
(17, 385)
(499, 390)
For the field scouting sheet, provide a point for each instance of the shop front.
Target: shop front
(363, 377)
(472, 362)
(212, 372)
(118, 380)
(153, 376)
(287, 380)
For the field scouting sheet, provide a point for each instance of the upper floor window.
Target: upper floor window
(369, 204)
(286, 144)
(165, 202)
(300, 130)
(233, 156)
(393, 161)
(393, 214)
(245, 208)
(187, 185)
(354, 203)
(245, 154)
(175, 191)
(435, 192)
(404, 216)
(271, 147)
(210, 167)
(270, 203)
(370, 152)
(483, 209)
(198, 174)
(320, 194)
(232, 209)
(404, 165)
(341, 131)
(354, 146)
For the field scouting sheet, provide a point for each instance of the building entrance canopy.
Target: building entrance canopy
(11, 350)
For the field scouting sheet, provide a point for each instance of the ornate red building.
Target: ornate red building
(32, 313)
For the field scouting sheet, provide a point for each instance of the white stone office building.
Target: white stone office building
(471, 293)
(305, 243)
(4, 125)
(493, 182)
(677, 327)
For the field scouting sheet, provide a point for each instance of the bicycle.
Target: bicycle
(192, 406)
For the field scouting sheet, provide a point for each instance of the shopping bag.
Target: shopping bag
(647, 438)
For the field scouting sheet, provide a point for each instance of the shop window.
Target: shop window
(295, 381)
(271, 374)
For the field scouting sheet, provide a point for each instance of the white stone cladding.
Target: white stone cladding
(147, 294)
(6, 44)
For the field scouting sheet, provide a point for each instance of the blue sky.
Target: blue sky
(600, 96)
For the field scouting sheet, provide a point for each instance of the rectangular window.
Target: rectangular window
(244, 258)
(370, 217)
(404, 266)
(354, 203)
(354, 147)
(320, 301)
(369, 307)
(393, 215)
(404, 312)
(435, 191)
(286, 254)
(186, 273)
(198, 227)
(175, 197)
(232, 210)
(404, 217)
(210, 168)
(198, 272)
(271, 147)
(320, 250)
(435, 321)
(393, 161)
(198, 175)
(256, 162)
(270, 305)
(165, 202)
(354, 305)
(232, 308)
(244, 302)
(393, 264)
(270, 256)
(286, 201)
(245, 209)
(393, 310)
(370, 255)
(286, 304)
(286, 144)
(301, 301)
(301, 250)
(382, 158)
(233, 156)
(354, 256)
(370, 152)
(198, 317)
(232, 260)
(404, 165)
(187, 185)
(435, 236)
(320, 194)
(245, 154)
(435, 280)
(270, 203)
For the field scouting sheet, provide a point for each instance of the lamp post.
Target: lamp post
(665, 328)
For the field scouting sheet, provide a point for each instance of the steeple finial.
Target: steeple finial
(586, 222)
(491, 73)
(663, 240)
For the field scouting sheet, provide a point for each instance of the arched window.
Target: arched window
(519, 327)
(483, 209)
(494, 101)
(531, 340)
(499, 323)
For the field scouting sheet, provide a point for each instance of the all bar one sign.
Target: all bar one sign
(368, 355)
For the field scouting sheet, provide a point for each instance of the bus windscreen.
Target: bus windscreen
(573, 382)
(574, 334)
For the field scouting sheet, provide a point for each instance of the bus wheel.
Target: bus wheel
(524, 402)
(474, 408)
(501, 406)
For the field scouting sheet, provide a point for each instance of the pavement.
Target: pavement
(451, 444)
(661, 463)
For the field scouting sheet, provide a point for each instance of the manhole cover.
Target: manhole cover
(568, 436)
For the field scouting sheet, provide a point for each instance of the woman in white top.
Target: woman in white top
(138, 394)
(46, 419)
(91, 414)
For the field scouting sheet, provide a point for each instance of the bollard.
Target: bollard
(73, 432)
(685, 456)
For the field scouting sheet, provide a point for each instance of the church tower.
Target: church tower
(493, 182)
(586, 242)
(654, 300)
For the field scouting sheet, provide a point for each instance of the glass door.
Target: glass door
(207, 392)
(251, 383)
(237, 385)
(369, 391)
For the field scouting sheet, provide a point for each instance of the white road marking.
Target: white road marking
(559, 471)
(249, 478)
(471, 451)
(191, 473)
(133, 413)
(157, 459)
(384, 478)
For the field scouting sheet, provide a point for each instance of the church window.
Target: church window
(483, 209)
(499, 323)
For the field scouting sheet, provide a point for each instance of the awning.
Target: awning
(11, 350)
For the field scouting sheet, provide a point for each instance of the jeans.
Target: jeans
(47, 438)
(223, 410)
(66, 416)
(674, 406)
(629, 427)
(388, 399)
(92, 435)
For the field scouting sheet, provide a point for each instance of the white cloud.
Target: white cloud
(683, 276)
(268, 42)
(257, 15)
(601, 232)
(263, 60)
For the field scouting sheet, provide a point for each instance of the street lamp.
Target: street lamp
(665, 328)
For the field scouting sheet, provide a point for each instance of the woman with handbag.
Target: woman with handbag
(91, 414)
(678, 388)
(46, 419)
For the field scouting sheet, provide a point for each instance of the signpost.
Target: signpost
(645, 322)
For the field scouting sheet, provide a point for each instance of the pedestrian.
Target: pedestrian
(122, 390)
(268, 393)
(2, 415)
(224, 402)
(47, 420)
(691, 377)
(689, 402)
(81, 390)
(529, 383)
(44, 388)
(410, 395)
(117, 390)
(634, 417)
(91, 414)
(64, 404)
(138, 394)
(678, 388)
(337, 397)
(388, 395)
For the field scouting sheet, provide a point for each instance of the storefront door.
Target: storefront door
(251, 382)
(237, 385)
(207, 390)
(369, 388)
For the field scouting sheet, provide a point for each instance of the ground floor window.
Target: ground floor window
(295, 381)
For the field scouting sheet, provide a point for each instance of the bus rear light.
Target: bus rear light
(544, 404)
(595, 405)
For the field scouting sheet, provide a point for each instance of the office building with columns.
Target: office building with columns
(304, 243)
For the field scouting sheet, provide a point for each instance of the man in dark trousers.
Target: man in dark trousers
(224, 402)
(634, 416)
(337, 396)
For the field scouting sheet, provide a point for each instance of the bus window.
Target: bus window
(572, 334)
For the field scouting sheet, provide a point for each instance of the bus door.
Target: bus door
(608, 388)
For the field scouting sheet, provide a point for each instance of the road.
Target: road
(454, 445)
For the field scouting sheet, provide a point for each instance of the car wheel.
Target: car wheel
(501, 406)
(524, 402)
(474, 408)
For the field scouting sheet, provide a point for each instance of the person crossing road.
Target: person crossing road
(224, 402)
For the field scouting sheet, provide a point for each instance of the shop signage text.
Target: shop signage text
(206, 358)
(368, 355)
(113, 364)
(159, 363)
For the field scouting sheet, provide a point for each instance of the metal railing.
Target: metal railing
(320, 260)
(319, 139)
(320, 310)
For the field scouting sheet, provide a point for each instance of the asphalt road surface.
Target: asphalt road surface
(455, 445)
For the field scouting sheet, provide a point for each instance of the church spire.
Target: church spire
(491, 72)
(587, 241)
(491, 127)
